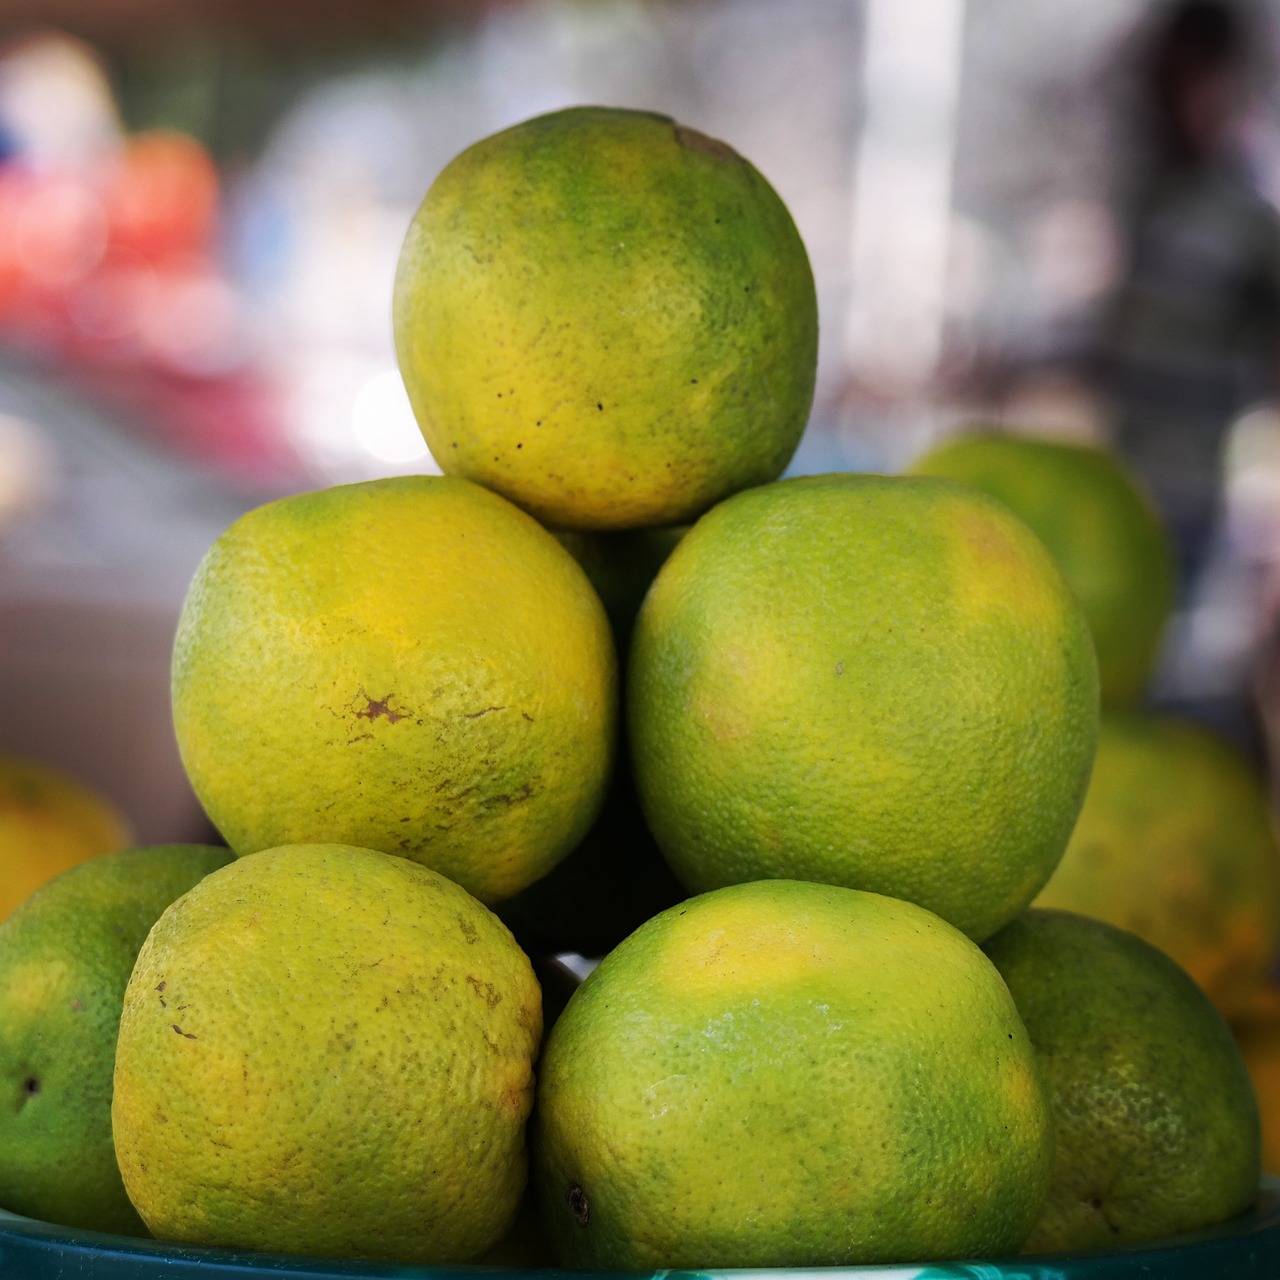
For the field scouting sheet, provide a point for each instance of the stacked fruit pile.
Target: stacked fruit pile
(859, 719)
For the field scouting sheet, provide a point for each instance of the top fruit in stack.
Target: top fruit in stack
(608, 318)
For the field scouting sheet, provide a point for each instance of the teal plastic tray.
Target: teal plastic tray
(1246, 1248)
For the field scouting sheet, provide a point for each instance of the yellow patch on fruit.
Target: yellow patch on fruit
(48, 824)
(1096, 523)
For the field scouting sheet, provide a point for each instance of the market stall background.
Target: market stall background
(201, 206)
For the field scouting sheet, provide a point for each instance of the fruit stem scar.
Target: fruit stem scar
(578, 1205)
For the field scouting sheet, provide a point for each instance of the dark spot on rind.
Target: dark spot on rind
(31, 1086)
(375, 707)
(578, 1205)
(486, 991)
(186, 1035)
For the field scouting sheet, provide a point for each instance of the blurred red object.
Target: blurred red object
(161, 198)
(110, 271)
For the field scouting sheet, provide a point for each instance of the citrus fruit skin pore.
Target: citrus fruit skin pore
(873, 681)
(784, 1074)
(1155, 1122)
(328, 1050)
(607, 317)
(65, 958)
(48, 824)
(411, 665)
(1175, 843)
(1098, 525)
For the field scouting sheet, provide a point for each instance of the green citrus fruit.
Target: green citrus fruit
(65, 957)
(607, 317)
(783, 1074)
(48, 824)
(1155, 1123)
(1175, 844)
(328, 1050)
(411, 665)
(872, 681)
(1100, 528)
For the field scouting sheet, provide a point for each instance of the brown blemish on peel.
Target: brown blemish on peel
(375, 707)
(486, 991)
(692, 140)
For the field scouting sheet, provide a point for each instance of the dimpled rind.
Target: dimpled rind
(410, 665)
(780, 1074)
(881, 682)
(1156, 1126)
(328, 1050)
(607, 317)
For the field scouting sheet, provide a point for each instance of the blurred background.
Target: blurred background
(1060, 218)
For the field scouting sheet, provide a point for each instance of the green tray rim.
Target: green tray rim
(1245, 1248)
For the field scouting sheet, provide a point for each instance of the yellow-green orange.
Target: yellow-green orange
(48, 824)
(608, 317)
(328, 1050)
(65, 957)
(410, 665)
(1175, 843)
(1155, 1124)
(874, 681)
(783, 1074)
(1097, 524)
